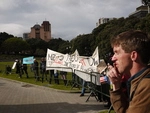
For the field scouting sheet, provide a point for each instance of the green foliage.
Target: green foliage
(40, 52)
(145, 2)
(83, 44)
(54, 44)
(65, 47)
(15, 45)
(106, 111)
(37, 44)
(4, 36)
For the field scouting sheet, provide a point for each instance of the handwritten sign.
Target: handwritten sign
(73, 61)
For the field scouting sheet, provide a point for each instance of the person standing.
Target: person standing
(51, 76)
(36, 69)
(131, 57)
(64, 76)
(56, 76)
(43, 69)
(84, 84)
(25, 68)
(18, 68)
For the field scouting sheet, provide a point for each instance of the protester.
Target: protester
(105, 89)
(75, 80)
(18, 68)
(64, 76)
(43, 69)
(8, 69)
(84, 84)
(131, 57)
(56, 76)
(31, 67)
(105, 85)
(51, 76)
(25, 69)
(21, 67)
(36, 69)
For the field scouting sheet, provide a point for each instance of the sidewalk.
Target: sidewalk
(18, 97)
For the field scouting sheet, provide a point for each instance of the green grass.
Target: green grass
(31, 79)
(106, 111)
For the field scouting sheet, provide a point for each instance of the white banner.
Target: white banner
(56, 60)
(14, 65)
(89, 64)
(80, 65)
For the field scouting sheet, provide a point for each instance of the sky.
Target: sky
(68, 18)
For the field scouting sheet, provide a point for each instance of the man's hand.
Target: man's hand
(114, 77)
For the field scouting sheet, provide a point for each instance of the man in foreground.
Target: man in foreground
(131, 57)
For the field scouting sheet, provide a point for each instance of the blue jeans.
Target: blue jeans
(84, 83)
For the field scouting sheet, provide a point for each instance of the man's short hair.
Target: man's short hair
(134, 40)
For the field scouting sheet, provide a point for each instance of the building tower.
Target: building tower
(46, 31)
(43, 31)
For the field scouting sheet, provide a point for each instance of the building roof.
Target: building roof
(141, 11)
(37, 26)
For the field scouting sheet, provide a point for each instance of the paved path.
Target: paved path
(18, 97)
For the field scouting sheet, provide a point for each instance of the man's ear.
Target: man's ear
(134, 55)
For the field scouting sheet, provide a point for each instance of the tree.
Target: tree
(65, 47)
(15, 46)
(4, 36)
(55, 44)
(37, 44)
(145, 2)
(40, 52)
(83, 44)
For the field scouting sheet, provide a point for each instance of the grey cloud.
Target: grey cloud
(68, 18)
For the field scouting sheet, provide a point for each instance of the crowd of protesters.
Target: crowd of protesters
(39, 71)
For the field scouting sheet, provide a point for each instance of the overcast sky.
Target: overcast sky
(68, 18)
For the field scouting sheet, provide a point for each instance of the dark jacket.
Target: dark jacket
(35, 65)
(140, 102)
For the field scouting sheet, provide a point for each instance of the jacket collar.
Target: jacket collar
(134, 80)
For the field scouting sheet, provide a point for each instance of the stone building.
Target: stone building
(103, 20)
(37, 31)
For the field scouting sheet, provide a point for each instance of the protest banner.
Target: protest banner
(80, 65)
(88, 65)
(28, 60)
(56, 60)
(14, 65)
(74, 61)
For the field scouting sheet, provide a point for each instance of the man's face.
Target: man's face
(122, 60)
